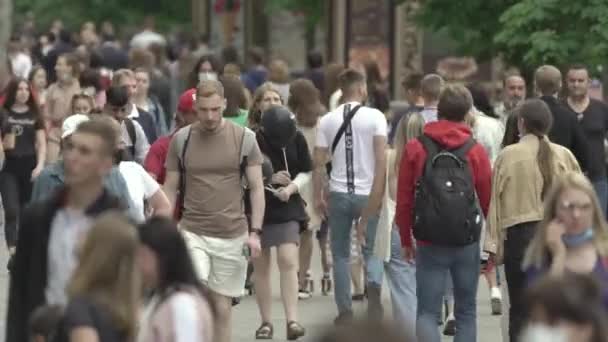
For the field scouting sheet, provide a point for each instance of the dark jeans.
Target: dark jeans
(16, 189)
(518, 238)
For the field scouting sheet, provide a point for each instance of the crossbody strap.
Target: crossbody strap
(348, 117)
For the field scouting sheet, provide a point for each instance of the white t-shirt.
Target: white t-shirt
(140, 184)
(366, 124)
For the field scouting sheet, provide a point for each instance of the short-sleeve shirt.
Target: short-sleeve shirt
(82, 312)
(213, 199)
(140, 184)
(366, 124)
(24, 127)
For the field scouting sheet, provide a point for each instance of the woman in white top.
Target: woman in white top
(401, 275)
(179, 309)
(143, 189)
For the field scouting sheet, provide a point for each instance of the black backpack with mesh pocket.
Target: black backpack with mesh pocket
(446, 210)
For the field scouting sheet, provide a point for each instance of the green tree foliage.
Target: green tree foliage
(122, 12)
(313, 10)
(526, 33)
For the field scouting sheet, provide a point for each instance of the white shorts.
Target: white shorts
(220, 263)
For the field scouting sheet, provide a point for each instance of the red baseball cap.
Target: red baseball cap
(186, 101)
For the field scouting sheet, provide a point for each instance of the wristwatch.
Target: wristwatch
(256, 230)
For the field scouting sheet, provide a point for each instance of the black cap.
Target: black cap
(117, 96)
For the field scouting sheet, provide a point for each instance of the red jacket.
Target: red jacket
(451, 135)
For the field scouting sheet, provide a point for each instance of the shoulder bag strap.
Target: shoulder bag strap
(182, 170)
(347, 119)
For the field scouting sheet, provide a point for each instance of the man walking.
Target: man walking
(206, 163)
(353, 137)
(592, 116)
(447, 234)
(52, 228)
(430, 88)
(565, 130)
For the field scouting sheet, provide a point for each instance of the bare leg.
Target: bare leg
(356, 272)
(287, 259)
(325, 255)
(263, 289)
(305, 256)
(223, 317)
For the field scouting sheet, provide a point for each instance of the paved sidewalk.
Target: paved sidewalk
(316, 314)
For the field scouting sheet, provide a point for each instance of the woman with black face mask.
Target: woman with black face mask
(285, 215)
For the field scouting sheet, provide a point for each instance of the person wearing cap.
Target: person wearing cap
(52, 176)
(184, 116)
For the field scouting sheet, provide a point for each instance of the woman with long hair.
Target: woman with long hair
(523, 174)
(105, 289)
(573, 235)
(378, 96)
(207, 67)
(264, 97)
(304, 101)
(380, 237)
(39, 84)
(24, 142)
(178, 309)
(333, 94)
(284, 217)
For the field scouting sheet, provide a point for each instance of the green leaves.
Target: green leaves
(526, 33)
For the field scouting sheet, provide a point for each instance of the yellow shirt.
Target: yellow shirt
(517, 185)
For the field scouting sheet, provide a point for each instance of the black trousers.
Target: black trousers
(518, 239)
(16, 190)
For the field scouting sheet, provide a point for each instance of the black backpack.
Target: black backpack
(446, 210)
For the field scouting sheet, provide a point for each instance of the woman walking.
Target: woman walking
(178, 309)
(24, 143)
(523, 174)
(284, 218)
(104, 291)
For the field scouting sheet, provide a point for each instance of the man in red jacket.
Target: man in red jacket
(433, 262)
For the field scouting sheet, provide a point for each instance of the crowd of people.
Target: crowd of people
(144, 184)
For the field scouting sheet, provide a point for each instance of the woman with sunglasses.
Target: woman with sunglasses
(573, 236)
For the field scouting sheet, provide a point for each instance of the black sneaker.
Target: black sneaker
(450, 328)
(344, 318)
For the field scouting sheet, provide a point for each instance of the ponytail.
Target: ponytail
(544, 158)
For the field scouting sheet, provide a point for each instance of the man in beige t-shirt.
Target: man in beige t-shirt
(208, 155)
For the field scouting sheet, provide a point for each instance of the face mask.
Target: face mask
(575, 240)
(543, 333)
(207, 76)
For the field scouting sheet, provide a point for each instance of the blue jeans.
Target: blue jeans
(432, 266)
(401, 276)
(344, 209)
(601, 189)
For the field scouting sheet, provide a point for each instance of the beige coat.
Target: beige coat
(516, 188)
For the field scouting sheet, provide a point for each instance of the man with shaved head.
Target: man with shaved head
(565, 130)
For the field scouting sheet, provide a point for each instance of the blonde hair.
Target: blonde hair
(278, 71)
(409, 128)
(537, 254)
(107, 271)
(121, 74)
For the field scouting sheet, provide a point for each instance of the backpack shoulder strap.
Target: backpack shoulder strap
(430, 146)
(461, 152)
(132, 135)
(182, 138)
(349, 117)
(247, 142)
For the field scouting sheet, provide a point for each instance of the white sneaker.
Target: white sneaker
(496, 301)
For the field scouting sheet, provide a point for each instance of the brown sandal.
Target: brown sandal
(294, 331)
(264, 332)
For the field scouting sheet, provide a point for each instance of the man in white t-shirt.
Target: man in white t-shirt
(358, 162)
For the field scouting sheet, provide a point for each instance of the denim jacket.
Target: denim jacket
(52, 177)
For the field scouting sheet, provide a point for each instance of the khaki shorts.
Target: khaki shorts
(220, 263)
